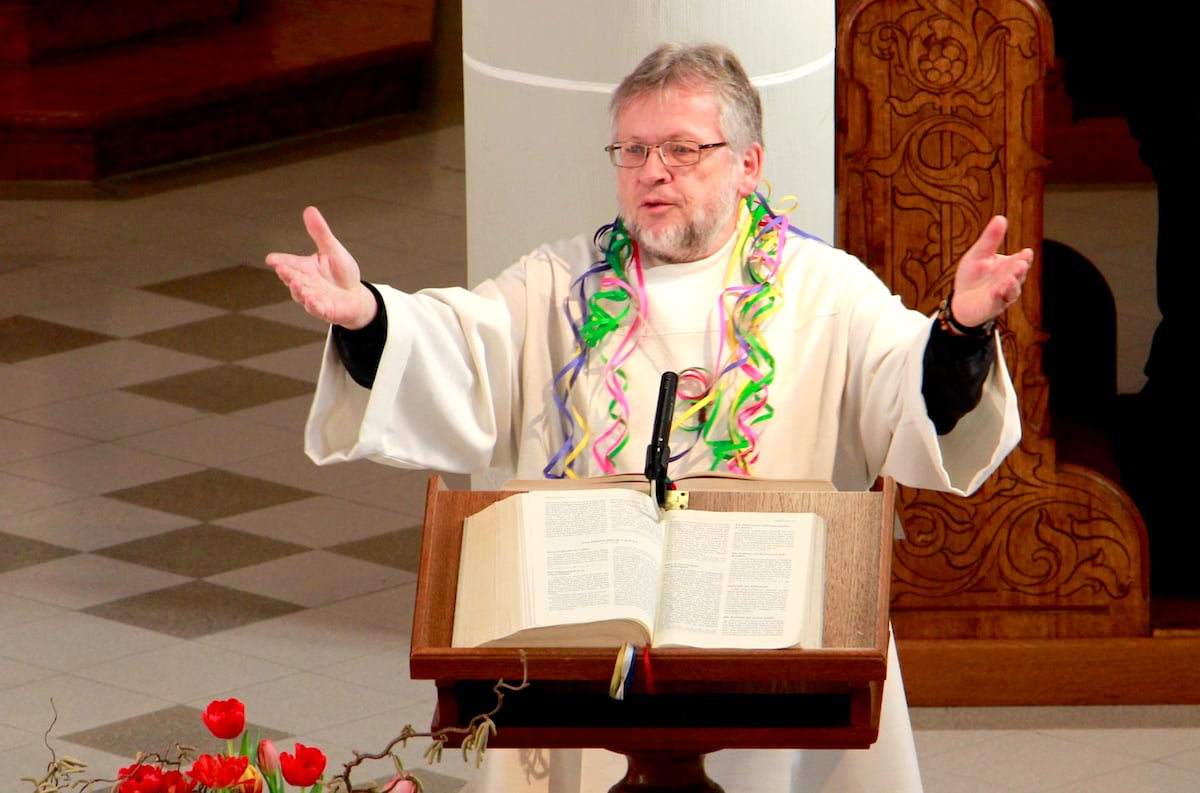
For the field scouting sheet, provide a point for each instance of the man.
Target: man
(795, 361)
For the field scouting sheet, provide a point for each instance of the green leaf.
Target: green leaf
(245, 748)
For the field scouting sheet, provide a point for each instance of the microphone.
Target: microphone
(658, 453)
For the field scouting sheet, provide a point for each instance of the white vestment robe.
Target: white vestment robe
(465, 380)
(464, 385)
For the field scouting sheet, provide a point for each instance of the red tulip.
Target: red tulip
(141, 778)
(218, 771)
(304, 768)
(175, 782)
(225, 718)
(152, 779)
(268, 757)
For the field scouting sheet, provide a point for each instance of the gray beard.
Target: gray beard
(685, 242)
(690, 240)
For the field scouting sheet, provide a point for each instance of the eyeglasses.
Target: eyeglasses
(672, 152)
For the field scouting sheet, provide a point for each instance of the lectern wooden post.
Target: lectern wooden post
(698, 701)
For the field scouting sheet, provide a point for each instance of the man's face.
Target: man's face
(682, 213)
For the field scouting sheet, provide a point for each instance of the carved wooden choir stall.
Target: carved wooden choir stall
(1034, 590)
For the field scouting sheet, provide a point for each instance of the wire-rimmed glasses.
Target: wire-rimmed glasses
(674, 153)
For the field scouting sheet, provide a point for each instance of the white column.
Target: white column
(536, 81)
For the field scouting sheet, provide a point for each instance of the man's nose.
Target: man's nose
(654, 169)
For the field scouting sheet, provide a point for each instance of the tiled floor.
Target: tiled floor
(164, 541)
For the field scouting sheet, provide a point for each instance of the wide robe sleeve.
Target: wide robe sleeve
(443, 395)
(962, 459)
(884, 393)
(858, 363)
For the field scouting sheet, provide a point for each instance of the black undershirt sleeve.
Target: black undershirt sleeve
(955, 369)
(361, 350)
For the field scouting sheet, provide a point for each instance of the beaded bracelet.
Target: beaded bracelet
(950, 325)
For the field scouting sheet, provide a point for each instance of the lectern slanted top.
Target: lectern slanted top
(694, 699)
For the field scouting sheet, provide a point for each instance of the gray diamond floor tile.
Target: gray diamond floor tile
(201, 551)
(192, 609)
(210, 494)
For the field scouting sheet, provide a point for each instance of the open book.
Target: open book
(602, 567)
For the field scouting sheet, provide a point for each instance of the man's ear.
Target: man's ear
(751, 169)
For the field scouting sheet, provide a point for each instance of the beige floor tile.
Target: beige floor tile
(185, 671)
(22, 389)
(17, 673)
(1046, 762)
(1144, 778)
(288, 312)
(115, 364)
(213, 440)
(1187, 759)
(84, 580)
(15, 610)
(20, 441)
(387, 672)
(294, 468)
(67, 642)
(100, 468)
(402, 491)
(300, 363)
(9, 738)
(86, 524)
(313, 578)
(310, 639)
(317, 522)
(1146, 743)
(19, 495)
(389, 609)
(141, 263)
(107, 415)
(124, 312)
(42, 241)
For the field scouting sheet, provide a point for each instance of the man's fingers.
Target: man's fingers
(283, 262)
(318, 229)
(991, 237)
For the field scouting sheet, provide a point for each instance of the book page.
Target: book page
(592, 555)
(491, 598)
(741, 579)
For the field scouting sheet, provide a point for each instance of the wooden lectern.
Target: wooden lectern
(698, 701)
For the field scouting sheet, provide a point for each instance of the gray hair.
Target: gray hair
(710, 67)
